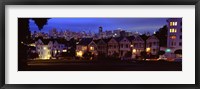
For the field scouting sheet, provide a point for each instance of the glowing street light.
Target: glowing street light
(64, 50)
(134, 50)
(91, 48)
(148, 49)
(131, 45)
(44, 48)
(79, 53)
(168, 50)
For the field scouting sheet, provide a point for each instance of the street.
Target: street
(91, 65)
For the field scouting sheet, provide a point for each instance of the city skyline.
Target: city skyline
(141, 25)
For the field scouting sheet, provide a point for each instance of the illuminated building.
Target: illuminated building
(113, 47)
(152, 45)
(138, 44)
(174, 36)
(124, 46)
(49, 48)
(82, 46)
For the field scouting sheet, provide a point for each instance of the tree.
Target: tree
(128, 54)
(87, 55)
(40, 22)
(115, 55)
(101, 56)
(143, 54)
(161, 52)
(24, 37)
(161, 34)
(179, 51)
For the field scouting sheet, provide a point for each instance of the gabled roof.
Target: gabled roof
(96, 41)
(85, 41)
(118, 39)
(153, 37)
(142, 38)
(107, 40)
(101, 41)
(60, 41)
(131, 38)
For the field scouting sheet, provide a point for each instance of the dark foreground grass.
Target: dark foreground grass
(101, 65)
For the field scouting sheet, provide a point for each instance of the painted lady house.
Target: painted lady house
(50, 48)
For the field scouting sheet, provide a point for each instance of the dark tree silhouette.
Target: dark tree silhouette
(179, 51)
(87, 55)
(161, 34)
(161, 52)
(24, 37)
(40, 22)
(128, 54)
(143, 54)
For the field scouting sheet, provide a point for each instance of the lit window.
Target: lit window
(134, 50)
(173, 37)
(64, 50)
(171, 23)
(173, 30)
(91, 48)
(175, 24)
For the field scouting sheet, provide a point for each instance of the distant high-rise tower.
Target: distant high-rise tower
(100, 29)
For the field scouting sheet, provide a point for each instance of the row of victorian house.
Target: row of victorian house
(119, 45)
(51, 48)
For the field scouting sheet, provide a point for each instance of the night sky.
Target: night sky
(141, 25)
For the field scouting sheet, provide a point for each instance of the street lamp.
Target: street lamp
(148, 49)
(134, 51)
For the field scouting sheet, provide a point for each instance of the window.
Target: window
(173, 23)
(181, 29)
(121, 45)
(154, 50)
(174, 43)
(154, 43)
(180, 37)
(114, 46)
(173, 37)
(172, 30)
(180, 43)
(126, 45)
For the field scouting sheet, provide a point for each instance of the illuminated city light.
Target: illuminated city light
(44, 48)
(131, 45)
(134, 50)
(148, 49)
(91, 48)
(64, 50)
(79, 53)
(168, 50)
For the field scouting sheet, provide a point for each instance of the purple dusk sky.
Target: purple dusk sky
(91, 24)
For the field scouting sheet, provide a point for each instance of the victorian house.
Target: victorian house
(152, 45)
(102, 46)
(92, 47)
(124, 46)
(113, 46)
(82, 46)
(138, 45)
